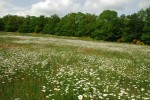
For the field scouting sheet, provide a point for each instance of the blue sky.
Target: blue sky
(63, 7)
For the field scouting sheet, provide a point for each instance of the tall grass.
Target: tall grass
(39, 68)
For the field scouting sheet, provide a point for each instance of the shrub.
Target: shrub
(120, 40)
(146, 38)
(138, 42)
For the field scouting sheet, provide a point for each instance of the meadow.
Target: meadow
(42, 67)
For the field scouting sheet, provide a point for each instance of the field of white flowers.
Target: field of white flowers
(51, 68)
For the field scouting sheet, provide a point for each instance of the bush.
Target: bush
(146, 38)
(138, 42)
(120, 40)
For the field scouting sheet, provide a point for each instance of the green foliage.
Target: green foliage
(12, 22)
(147, 20)
(108, 26)
(25, 29)
(27, 26)
(67, 25)
(85, 24)
(146, 38)
(107, 15)
(128, 37)
(40, 23)
(1, 24)
(135, 25)
(51, 26)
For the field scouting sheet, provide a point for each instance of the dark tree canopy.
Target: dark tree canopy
(51, 25)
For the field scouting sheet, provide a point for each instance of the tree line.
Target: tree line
(108, 26)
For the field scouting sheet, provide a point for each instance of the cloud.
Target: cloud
(60, 7)
(100, 5)
(63, 7)
(2, 4)
(5, 4)
(16, 7)
(144, 4)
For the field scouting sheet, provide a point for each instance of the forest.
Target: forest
(107, 26)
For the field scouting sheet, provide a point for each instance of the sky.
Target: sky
(63, 7)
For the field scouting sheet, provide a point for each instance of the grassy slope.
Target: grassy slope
(40, 67)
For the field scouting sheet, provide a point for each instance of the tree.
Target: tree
(134, 29)
(39, 23)
(12, 22)
(147, 21)
(1, 24)
(116, 29)
(67, 25)
(51, 26)
(85, 24)
(108, 26)
(146, 38)
(146, 34)
(28, 25)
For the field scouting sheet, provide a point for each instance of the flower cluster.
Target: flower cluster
(74, 69)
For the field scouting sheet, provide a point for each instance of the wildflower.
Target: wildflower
(145, 98)
(44, 87)
(43, 90)
(105, 95)
(80, 97)
(47, 96)
(17, 99)
(85, 95)
(3, 82)
(142, 89)
(56, 89)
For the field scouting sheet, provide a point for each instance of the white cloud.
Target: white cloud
(5, 4)
(63, 7)
(144, 4)
(50, 7)
(2, 4)
(100, 5)
(15, 7)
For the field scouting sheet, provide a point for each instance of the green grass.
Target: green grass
(62, 68)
